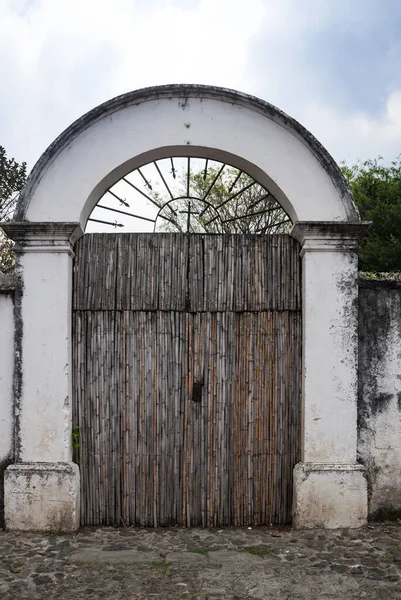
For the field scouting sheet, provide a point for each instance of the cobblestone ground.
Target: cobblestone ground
(229, 564)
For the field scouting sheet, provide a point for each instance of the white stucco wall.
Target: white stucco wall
(329, 486)
(330, 335)
(379, 404)
(45, 422)
(6, 368)
(330, 356)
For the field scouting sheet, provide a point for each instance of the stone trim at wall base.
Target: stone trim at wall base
(329, 496)
(42, 497)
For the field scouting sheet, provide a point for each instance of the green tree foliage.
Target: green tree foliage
(251, 211)
(12, 180)
(377, 192)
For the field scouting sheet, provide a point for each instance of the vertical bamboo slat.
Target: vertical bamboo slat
(186, 378)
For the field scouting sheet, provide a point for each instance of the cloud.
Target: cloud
(335, 66)
(62, 58)
(357, 135)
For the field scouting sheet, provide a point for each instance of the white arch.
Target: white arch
(130, 130)
(70, 177)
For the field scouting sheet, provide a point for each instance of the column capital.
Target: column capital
(43, 237)
(329, 236)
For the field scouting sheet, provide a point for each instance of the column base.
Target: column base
(329, 496)
(42, 497)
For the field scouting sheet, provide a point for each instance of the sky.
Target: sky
(334, 65)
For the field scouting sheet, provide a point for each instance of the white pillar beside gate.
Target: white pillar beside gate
(42, 487)
(329, 485)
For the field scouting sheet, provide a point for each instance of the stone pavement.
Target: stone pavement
(228, 564)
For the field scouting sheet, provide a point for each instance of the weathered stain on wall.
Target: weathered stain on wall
(379, 397)
(7, 285)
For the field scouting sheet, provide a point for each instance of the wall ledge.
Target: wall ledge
(7, 283)
(382, 283)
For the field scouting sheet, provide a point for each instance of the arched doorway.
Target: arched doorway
(88, 159)
(187, 351)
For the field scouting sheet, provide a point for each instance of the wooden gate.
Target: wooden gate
(186, 384)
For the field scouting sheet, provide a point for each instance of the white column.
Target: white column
(7, 286)
(329, 485)
(44, 476)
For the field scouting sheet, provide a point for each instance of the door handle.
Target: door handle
(197, 391)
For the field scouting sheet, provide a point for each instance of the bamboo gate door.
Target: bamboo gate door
(187, 378)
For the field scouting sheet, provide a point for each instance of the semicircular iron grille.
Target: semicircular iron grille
(189, 195)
